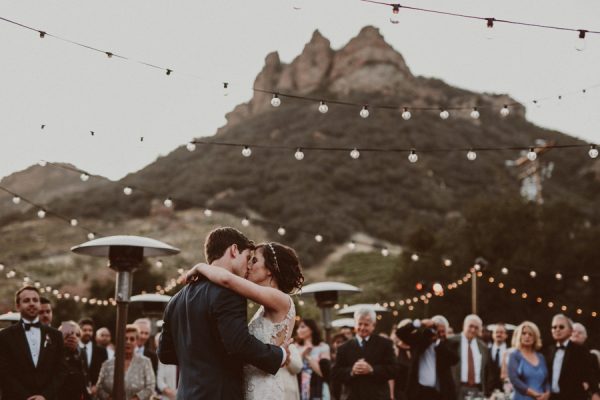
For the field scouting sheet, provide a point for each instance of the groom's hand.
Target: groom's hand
(286, 349)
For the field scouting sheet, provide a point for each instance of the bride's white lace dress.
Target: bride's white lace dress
(259, 384)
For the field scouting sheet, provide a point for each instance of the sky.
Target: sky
(74, 91)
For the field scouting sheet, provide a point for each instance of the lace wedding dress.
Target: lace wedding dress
(259, 384)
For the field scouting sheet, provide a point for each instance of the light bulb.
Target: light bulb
(91, 235)
(246, 151)
(41, 214)
(489, 28)
(413, 157)
(414, 257)
(16, 200)
(318, 238)
(580, 42)
(447, 262)
(395, 11)
(593, 153)
(437, 287)
(42, 163)
(84, 177)
(225, 88)
(281, 230)
(127, 190)
(74, 222)
(558, 276)
(585, 278)
(355, 153)
(190, 146)
(208, 213)
(533, 274)
(364, 112)
(1, 267)
(299, 154)
(406, 114)
(323, 108)
(275, 101)
(471, 155)
(245, 222)
(504, 271)
(444, 114)
(504, 111)
(531, 155)
(168, 202)
(159, 264)
(385, 252)
(475, 113)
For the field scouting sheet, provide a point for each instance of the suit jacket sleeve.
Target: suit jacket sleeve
(7, 378)
(166, 346)
(385, 369)
(229, 310)
(342, 368)
(59, 370)
(448, 357)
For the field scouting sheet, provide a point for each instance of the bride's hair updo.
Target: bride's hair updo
(284, 265)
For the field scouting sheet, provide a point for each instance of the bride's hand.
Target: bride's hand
(193, 274)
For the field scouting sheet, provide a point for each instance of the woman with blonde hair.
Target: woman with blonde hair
(527, 369)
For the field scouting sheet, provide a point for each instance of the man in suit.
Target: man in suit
(31, 354)
(103, 339)
(45, 311)
(571, 375)
(205, 329)
(429, 376)
(366, 363)
(143, 345)
(472, 372)
(497, 350)
(93, 355)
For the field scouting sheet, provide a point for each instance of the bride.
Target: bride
(274, 272)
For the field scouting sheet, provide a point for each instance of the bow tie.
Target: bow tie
(28, 326)
(561, 347)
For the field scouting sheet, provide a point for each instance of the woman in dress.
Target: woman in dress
(527, 369)
(139, 375)
(316, 358)
(274, 272)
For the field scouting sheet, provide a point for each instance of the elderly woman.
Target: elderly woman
(527, 369)
(139, 376)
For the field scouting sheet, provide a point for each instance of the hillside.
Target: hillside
(381, 194)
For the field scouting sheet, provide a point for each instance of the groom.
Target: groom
(205, 329)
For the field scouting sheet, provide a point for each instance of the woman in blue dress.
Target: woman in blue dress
(527, 369)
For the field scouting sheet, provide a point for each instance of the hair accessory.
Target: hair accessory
(270, 246)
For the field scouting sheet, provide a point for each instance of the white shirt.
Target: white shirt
(559, 356)
(464, 359)
(110, 352)
(427, 370)
(502, 348)
(362, 341)
(139, 350)
(34, 340)
(87, 348)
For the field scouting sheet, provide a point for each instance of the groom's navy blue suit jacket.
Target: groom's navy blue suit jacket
(205, 332)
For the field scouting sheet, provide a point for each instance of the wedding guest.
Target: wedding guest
(45, 311)
(570, 374)
(579, 334)
(430, 375)
(366, 363)
(336, 388)
(76, 384)
(143, 345)
(312, 349)
(103, 339)
(289, 374)
(347, 331)
(471, 374)
(527, 369)
(93, 355)
(166, 378)
(403, 355)
(32, 364)
(139, 377)
(497, 350)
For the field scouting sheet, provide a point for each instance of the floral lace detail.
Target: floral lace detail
(259, 384)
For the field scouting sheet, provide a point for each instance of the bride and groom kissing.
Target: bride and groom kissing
(205, 330)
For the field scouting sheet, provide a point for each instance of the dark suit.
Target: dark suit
(20, 378)
(575, 370)
(99, 355)
(205, 332)
(495, 371)
(379, 353)
(419, 341)
(486, 375)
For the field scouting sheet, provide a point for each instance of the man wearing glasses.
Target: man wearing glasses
(571, 376)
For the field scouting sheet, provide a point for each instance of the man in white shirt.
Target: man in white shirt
(472, 373)
(142, 348)
(497, 351)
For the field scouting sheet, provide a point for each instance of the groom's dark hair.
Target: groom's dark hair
(220, 239)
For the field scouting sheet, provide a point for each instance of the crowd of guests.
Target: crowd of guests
(419, 360)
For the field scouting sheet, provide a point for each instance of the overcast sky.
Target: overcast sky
(73, 90)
